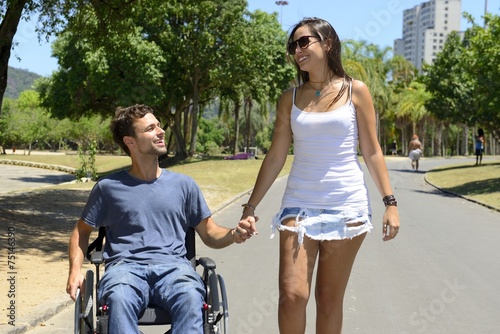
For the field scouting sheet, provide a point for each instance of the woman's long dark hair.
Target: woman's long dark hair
(324, 31)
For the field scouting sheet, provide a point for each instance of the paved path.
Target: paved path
(16, 178)
(440, 275)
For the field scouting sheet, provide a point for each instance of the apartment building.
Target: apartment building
(425, 29)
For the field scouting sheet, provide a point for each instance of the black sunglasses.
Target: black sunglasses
(303, 42)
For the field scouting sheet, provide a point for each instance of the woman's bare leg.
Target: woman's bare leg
(295, 275)
(336, 259)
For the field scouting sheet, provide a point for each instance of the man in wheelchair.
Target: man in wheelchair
(146, 211)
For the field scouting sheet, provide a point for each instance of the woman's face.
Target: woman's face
(308, 51)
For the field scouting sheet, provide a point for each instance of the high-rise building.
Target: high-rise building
(425, 29)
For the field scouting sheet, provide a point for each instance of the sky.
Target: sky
(376, 21)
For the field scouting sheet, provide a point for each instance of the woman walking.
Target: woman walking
(325, 212)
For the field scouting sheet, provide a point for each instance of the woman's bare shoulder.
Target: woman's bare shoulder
(359, 86)
(286, 99)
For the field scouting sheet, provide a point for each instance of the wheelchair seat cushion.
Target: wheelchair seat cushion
(154, 315)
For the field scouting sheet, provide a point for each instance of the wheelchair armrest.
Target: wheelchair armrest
(206, 262)
(97, 258)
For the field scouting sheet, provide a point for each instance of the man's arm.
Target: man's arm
(216, 236)
(78, 244)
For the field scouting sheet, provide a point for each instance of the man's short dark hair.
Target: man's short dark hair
(123, 123)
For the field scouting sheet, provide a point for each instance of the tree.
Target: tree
(402, 75)
(480, 63)
(260, 74)
(464, 79)
(369, 63)
(175, 56)
(11, 12)
(411, 105)
(52, 16)
(93, 80)
(28, 123)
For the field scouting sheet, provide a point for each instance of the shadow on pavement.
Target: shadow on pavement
(43, 220)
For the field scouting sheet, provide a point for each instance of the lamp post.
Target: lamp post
(281, 4)
(485, 11)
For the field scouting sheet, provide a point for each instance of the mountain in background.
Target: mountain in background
(19, 80)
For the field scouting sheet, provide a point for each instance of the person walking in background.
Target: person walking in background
(325, 212)
(415, 152)
(479, 145)
(394, 148)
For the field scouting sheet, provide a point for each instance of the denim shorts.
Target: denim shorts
(323, 224)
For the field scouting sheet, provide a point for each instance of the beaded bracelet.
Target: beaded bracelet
(390, 200)
(248, 205)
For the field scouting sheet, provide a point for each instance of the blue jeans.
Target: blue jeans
(128, 288)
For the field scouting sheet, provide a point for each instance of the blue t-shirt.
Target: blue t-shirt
(146, 222)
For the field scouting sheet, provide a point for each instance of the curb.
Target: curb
(59, 168)
(40, 314)
(461, 196)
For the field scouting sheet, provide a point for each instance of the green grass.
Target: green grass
(221, 180)
(480, 183)
(105, 163)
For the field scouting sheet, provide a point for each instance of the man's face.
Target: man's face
(149, 136)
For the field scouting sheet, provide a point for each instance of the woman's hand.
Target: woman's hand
(390, 223)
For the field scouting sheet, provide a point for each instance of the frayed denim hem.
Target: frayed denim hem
(322, 224)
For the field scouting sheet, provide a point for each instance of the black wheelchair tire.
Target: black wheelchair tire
(217, 299)
(213, 292)
(78, 312)
(87, 325)
(225, 309)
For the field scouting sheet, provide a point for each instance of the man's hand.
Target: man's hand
(245, 229)
(75, 281)
(78, 243)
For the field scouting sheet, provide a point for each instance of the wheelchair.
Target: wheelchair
(91, 318)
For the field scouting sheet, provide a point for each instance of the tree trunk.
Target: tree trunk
(180, 151)
(194, 115)
(465, 143)
(236, 125)
(439, 140)
(248, 115)
(8, 29)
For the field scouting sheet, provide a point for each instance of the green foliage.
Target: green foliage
(464, 78)
(25, 122)
(87, 152)
(94, 80)
(172, 55)
(211, 135)
(263, 138)
(412, 101)
(369, 63)
(450, 87)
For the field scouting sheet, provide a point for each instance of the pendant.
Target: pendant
(318, 93)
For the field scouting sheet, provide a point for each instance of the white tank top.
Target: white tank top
(326, 173)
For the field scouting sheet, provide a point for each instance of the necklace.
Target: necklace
(318, 91)
(339, 94)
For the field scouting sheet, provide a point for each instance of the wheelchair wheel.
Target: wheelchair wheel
(78, 312)
(87, 313)
(225, 309)
(84, 305)
(217, 299)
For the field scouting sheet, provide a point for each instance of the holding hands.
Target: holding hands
(246, 226)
